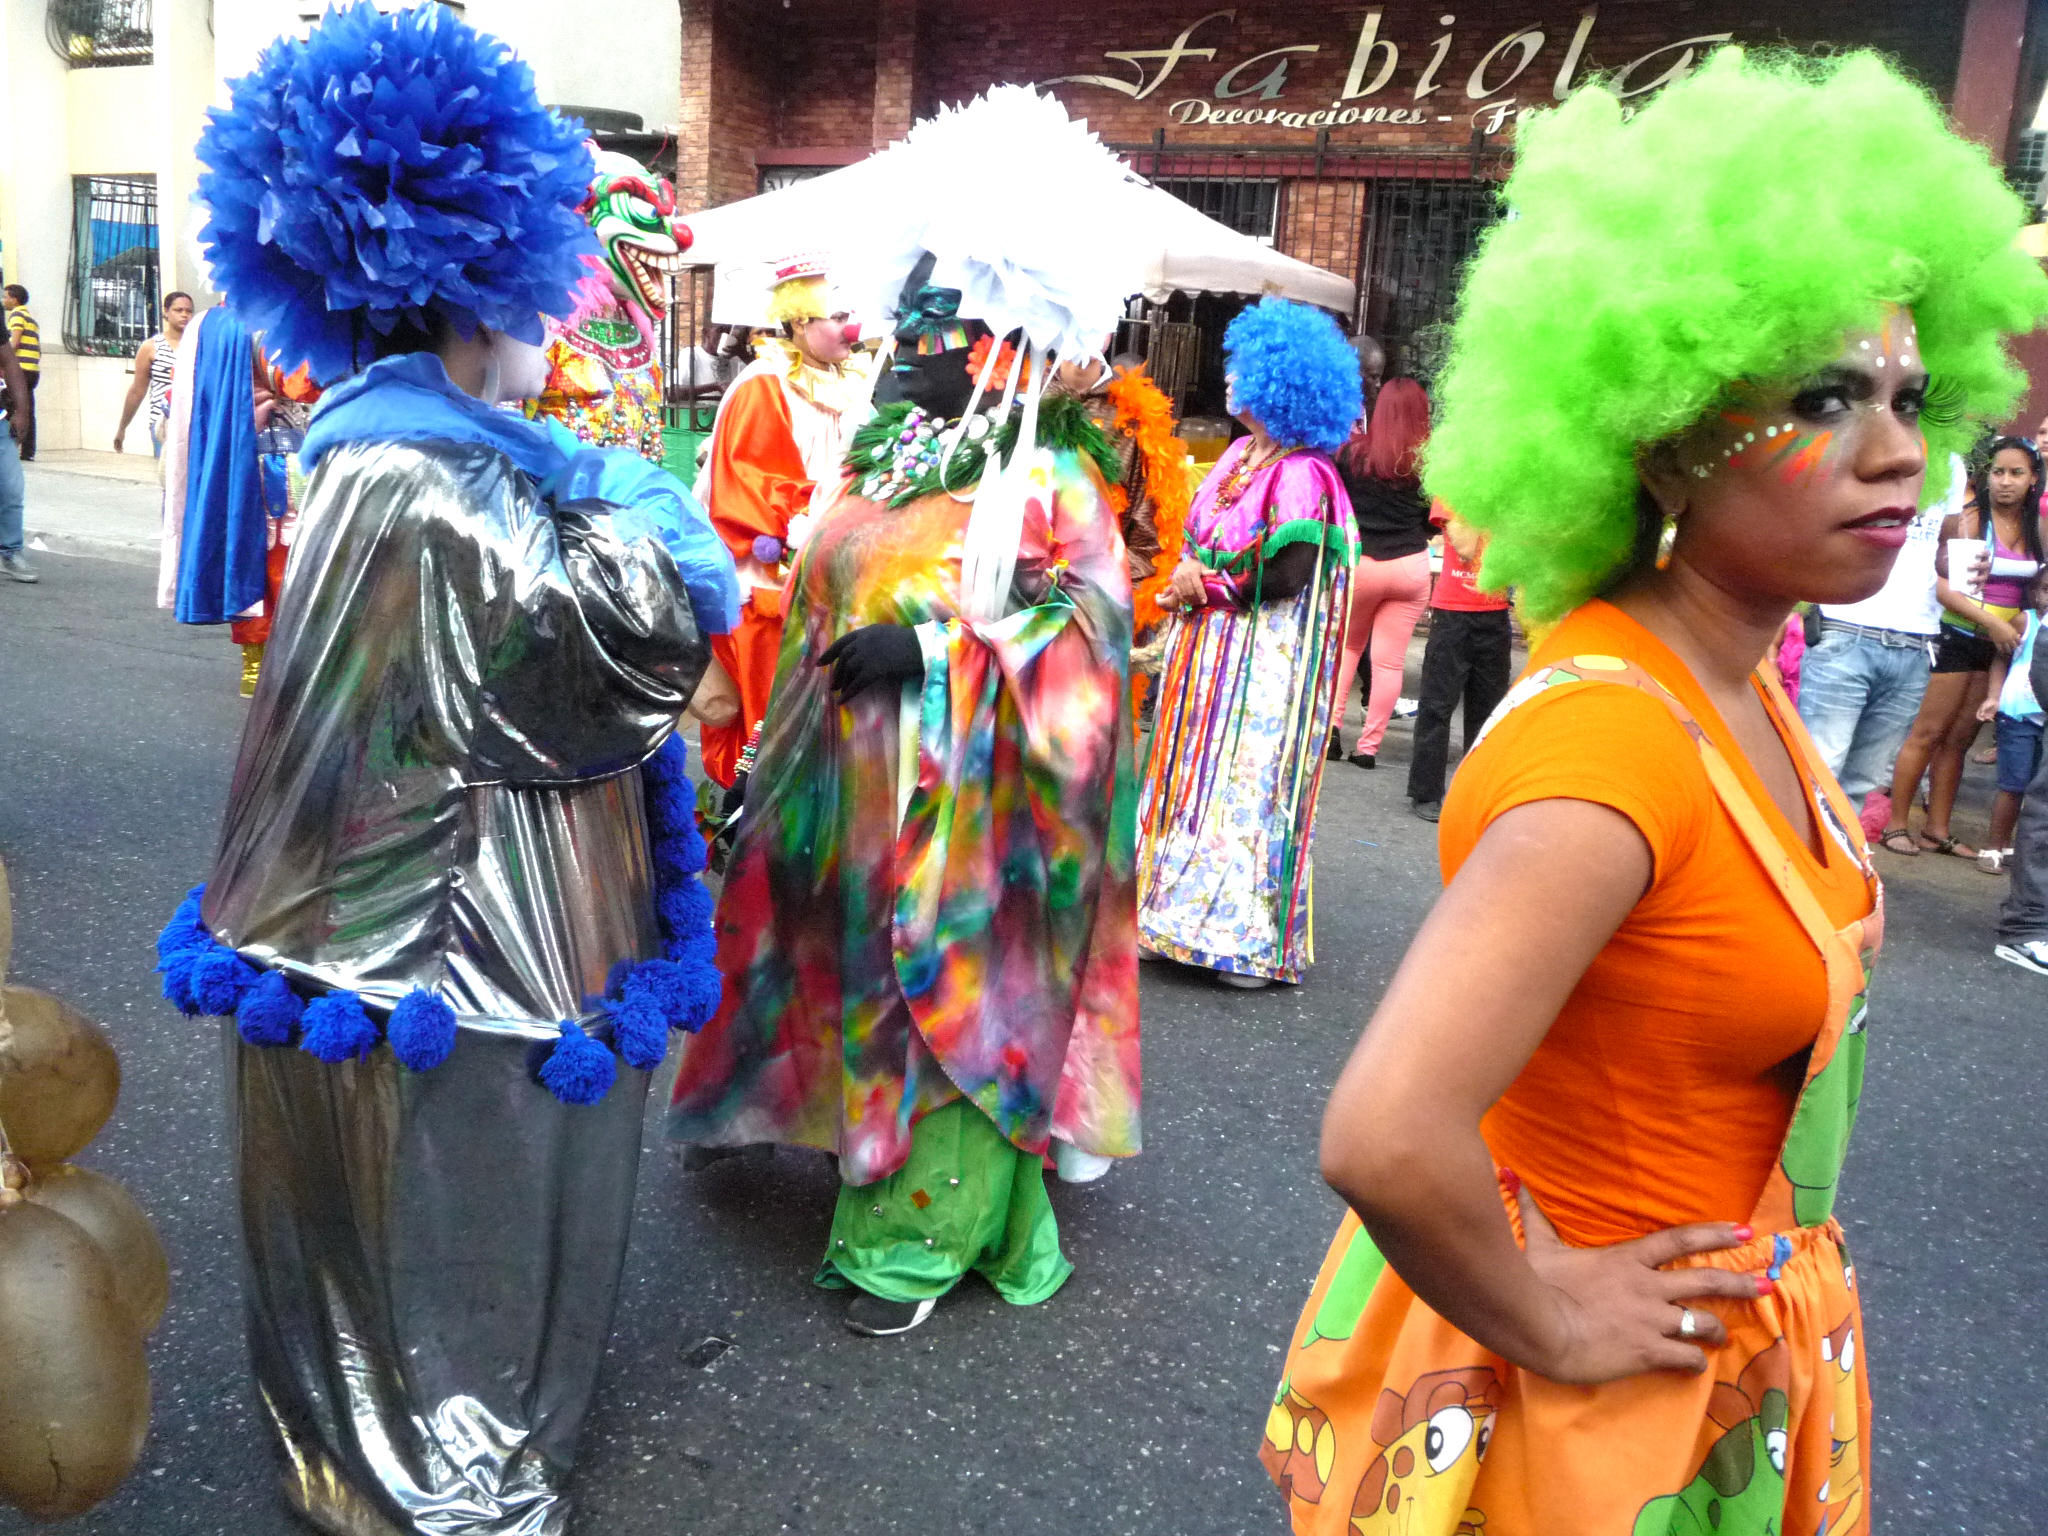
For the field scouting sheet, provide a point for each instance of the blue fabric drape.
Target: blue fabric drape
(220, 562)
(409, 398)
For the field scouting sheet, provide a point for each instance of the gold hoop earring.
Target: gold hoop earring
(1667, 541)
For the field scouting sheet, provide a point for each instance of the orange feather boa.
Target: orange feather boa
(1144, 414)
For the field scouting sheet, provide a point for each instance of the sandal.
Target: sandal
(1947, 845)
(1898, 840)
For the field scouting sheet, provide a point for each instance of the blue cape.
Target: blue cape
(409, 398)
(221, 556)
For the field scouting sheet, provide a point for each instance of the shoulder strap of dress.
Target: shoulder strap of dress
(1728, 786)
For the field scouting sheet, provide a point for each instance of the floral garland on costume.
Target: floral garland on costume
(897, 456)
(643, 1001)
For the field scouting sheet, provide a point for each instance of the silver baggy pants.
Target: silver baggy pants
(432, 1260)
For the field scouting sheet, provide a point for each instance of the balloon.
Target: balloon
(74, 1388)
(108, 1215)
(58, 1077)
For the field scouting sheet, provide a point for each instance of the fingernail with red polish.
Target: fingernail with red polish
(1744, 1234)
(1765, 1285)
(1510, 1181)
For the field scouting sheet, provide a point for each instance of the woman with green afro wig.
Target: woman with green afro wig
(1591, 1283)
(1732, 231)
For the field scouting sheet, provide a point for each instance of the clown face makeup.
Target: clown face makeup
(632, 214)
(1811, 485)
(826, 341)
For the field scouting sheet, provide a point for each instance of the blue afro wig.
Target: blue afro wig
(387, 172)
(1293, 373)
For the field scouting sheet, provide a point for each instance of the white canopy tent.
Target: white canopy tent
(1187, 251)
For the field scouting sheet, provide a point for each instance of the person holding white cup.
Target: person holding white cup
(2000, 535)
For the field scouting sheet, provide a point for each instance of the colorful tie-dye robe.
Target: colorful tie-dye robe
(931, 891)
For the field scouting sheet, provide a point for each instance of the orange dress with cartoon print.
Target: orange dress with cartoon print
(1706, 1068)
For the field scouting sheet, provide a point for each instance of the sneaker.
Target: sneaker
(1995, 861)
(1407, 709)
(15, 567)
(1242, 982)
(1363, 760)
(2031, 955)
(879, 1318)
(1077, 1167)
(1428, 810)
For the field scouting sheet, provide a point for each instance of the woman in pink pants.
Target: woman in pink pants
(1390, 584)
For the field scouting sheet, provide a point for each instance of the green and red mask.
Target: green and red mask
(632, 214)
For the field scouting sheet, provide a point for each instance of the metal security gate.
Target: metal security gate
(111, 282)
(1402, 223)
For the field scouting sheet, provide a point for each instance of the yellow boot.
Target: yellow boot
(252, 663)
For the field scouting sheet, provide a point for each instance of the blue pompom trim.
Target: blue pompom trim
(643, 1002)
(421, 1031)
(579, 1070)
(338, 1028)
(270, 1014)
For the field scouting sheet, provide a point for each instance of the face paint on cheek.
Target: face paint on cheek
(1746, 438)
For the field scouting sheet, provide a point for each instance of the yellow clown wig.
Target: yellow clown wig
(800, 292)
(1735, 229)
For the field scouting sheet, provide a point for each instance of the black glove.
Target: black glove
(867, 658)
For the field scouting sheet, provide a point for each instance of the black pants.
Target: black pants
(1467, 658)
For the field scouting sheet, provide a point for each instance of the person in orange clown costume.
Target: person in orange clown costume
(775, 463)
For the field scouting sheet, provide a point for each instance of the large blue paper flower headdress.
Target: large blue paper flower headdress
(387, 170)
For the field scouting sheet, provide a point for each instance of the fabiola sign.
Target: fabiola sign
(1384, 81)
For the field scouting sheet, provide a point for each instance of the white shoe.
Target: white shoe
(2030, 955)
(879, 1319)
(1242, 982)
(1077, 1167)
(1995, 861)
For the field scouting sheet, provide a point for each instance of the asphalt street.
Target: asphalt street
(734, 1402)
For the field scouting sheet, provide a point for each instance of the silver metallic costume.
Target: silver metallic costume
(438, 787)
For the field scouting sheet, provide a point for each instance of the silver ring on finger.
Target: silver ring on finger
(1688, 1325)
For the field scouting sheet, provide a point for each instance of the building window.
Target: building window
(110, 292)
(774, 178)
(1419, 233)
(1249, 205)
(2028, 170)
(96, 33)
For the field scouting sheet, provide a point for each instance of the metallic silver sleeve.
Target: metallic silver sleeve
(433, 787)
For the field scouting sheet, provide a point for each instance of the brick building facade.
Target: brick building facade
(1367, 138)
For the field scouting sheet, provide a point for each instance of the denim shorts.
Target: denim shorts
(2019, 753)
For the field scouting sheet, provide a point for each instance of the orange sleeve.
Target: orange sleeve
(758, 481)
(1601, 742)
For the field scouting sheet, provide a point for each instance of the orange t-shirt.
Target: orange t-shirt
(1662, 1092)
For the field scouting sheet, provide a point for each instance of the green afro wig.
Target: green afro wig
(1735, 229)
